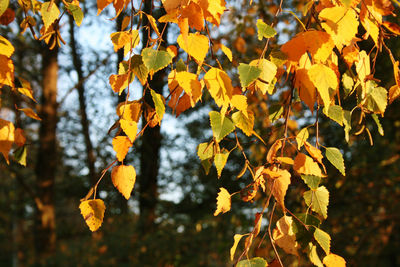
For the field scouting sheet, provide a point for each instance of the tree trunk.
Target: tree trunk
(46, 165)
(77, 61)
(150, 148)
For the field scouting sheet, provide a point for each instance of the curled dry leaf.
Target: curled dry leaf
(123, 178)
(272, 151)
(223, 201)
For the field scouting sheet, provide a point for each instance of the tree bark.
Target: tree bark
(46, 165)
(77, 62)
(150, 147)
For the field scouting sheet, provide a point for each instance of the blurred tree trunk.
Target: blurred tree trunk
(150, 145)
(46, 165)
(77, 62)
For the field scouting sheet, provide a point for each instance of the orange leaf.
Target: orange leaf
(257, 224)
(223, 202)
(284, 236)
(394, 92)
(19, 137)
(279, 184)
(307, 91)
(123, 178)
(219, 85)
(121, 145)
(6, 137)
(130, 111)
(333, 260)
(6, 71)
(272, 151)
(303, 164)
(30, 113)
(393, 27)
(101, 4)
(314, 152)
(119, 82)
(195, 16)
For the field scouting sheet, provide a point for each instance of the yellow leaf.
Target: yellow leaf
(333, 260)
(6, 137)
(341, 23)
(219, 85)
(213, 9)
(130, 128)
(6, 47)
(371, 20)
(394, 92)
(123, 178)
(223, 201)
(284, 236)
(153, 24)
(325, 80)
(240, 102)
(26, 89)
(125, 39)
(236, 239)
(303, 164)
(268, 72)
(196, 46)
(6, 71)
(307, 92)
(50, 12)
(30, 113)
(189, 82)
(245, 123)
(130, 111)
(101, 4)
(121, 145)
(302, 137)
(93, 213)
(363, 69)
(227, 52)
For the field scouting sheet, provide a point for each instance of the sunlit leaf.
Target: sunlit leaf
(336, 158)
(318, 200)
(333, 260)
(244, 123)
(236, 239)
(93, 213)
(303, 164)
(123, 178)
(130, 128)
(323, 239)
(264, 30)
(220, 160)
(196, 46)
(155, 60)
(284, 235)
(121, 145)
(6, 48)
(30, 113)
(248, 74)
(159, 104)
(221, 127)
(223, 201)
(6, 137)
(49, 13)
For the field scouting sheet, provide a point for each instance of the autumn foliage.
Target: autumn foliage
(320, 67)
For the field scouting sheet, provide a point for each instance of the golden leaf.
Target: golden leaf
(236, 239)
(303, 164)
(6, 48)
(279, 181)
(6, 71)
(219, 85)
(268, 72)
(30, 113)
(121, 145)
(196, 45)
(284, 236)
(333, 260)
(93, 213)
(123, 178)
(223, 201)
(272, 151)
(314, 152)
(6, 137)
(130, 128)
(130, 111)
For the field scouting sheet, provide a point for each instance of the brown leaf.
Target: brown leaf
(273, 150)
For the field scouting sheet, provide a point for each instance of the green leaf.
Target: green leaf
(309, 219)
(3, 6)
(264, 30)
(205, 151)
(248, 74)
(376, 100)
(347, 123)
(348, 83)
(323, 239)
(155, 60)
(220, 160)
(206, 165)
(335, 113)
(302, 137)
(221, 127)
(49, 15)
(244, 123)
(158, 103)
(20, 155)
(254, 262)
(378, 123)
(311, 180)
(336, 158)
(139, 69)
(275, 112)
(318, 200)
(278, 58)
(313, 255)
(180, 66)
(77, 13)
